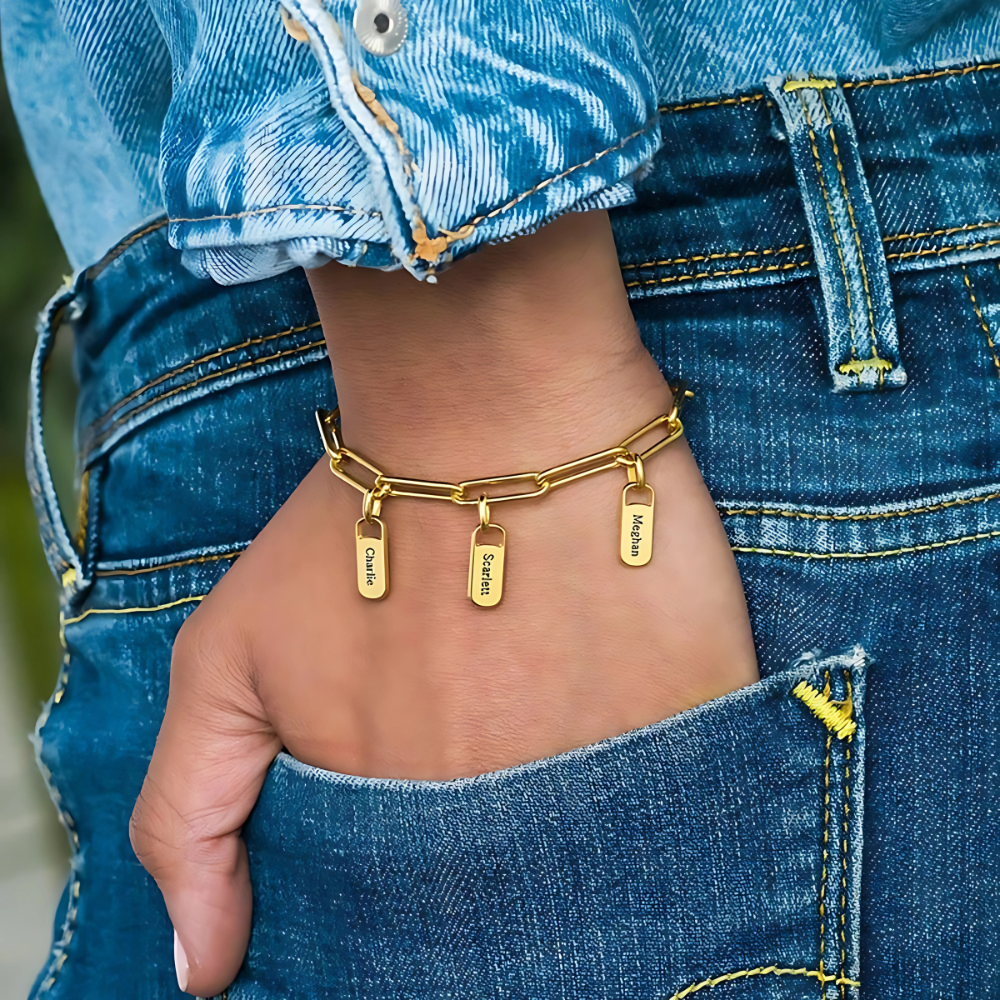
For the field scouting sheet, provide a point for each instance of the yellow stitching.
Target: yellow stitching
(170, 565)
(132, 611)
(812, 83)
(826, 840)
(843, 853)
(425, 248)
(746, 99)
(552, 180)
(982, 320)
(941, 232)
(845, 85)
(717, 274)
(115, 252)
(716, 256)
(858, 366)
(206, 378)
(340, 209)
(187, 366)
(805, 516)
(909, 78)
(834, 715)
(58, 954)
(428, 249)
(135, 237)
(833, 224)
(857, 235)
(801, 246)
(82, 515)
(881, 554)
(941, 250)
(761, 971)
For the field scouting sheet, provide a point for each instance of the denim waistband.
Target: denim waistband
(736, 200)
(910, 163)
(844, 180)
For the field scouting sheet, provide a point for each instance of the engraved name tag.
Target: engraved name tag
(373, 560)
(637, 528)
(486, 569)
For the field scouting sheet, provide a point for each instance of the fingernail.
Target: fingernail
(180, 964)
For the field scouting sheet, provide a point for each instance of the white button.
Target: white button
(380, 26)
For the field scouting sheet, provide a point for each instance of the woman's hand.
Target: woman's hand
(523, 357)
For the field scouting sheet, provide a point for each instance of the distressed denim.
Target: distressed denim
(820, 263)
(492, 118)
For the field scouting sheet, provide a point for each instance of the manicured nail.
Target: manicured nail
(180, 964)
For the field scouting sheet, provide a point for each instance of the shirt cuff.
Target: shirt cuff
(489, 120)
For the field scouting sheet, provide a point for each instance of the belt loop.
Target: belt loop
(862, 345)
(67, 565)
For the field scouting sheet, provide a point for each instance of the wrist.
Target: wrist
(524, 355)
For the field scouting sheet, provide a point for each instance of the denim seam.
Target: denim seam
(833, 223)
(850, 215)
(188, 365)
(774, 970)
(808, 516)
(737, 254)
(216, 557)
(912, 77)
(843, 850)
(743, 99)
(982, 320)
(430, 249)
(58, 953)
(425, 248)
(941, 250)
(941, 232)
(82, 512)
(370, 213)
(845, 85)
(718, 274)
(194, 599)
(116, 251)
(236, 553)
(878, 554)
(187, 386)
(548, 181)
(826, 845)
(729, 255)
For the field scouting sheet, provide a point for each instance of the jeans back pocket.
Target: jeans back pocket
(721, 845)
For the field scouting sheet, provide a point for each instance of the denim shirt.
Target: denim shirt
(272, 137)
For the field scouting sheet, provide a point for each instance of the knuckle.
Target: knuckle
(210, 641)
(146, 834)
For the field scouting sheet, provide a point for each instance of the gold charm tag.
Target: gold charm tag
(373, 560)
(637, 527)
(486, 568)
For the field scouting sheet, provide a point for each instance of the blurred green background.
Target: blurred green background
(33, 849)
(32, 266)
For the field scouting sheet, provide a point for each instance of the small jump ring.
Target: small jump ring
(484, 512)
(636, 472)
(372, 505)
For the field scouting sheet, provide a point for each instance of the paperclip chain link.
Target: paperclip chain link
(471, 491)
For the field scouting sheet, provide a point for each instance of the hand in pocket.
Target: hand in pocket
(284, 651)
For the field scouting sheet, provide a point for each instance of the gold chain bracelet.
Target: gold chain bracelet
(486, 560)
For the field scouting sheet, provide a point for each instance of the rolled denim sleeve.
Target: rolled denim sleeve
(490, 119)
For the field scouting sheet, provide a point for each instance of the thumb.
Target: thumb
(211, 756)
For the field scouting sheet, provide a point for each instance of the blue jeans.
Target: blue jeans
(819, 262)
